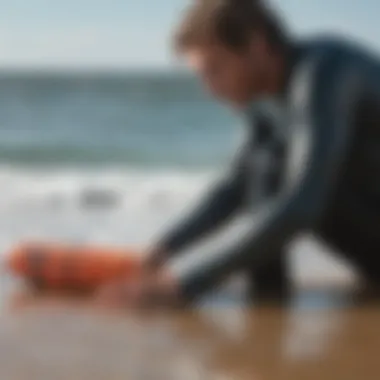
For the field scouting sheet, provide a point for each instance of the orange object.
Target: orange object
(58, 266)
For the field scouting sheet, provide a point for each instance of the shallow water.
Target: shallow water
(46, 338)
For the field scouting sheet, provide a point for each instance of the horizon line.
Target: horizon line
(91, 70)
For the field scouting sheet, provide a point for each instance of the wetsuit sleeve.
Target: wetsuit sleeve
(223, 199)
(320, 106)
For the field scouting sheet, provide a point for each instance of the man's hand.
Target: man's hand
(155, 259)
(153, 289)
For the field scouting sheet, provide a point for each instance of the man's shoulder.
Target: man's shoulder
(320, 61)
(335, 46)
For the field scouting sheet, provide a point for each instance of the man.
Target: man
(310, 160)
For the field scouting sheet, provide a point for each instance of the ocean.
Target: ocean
(115, 159)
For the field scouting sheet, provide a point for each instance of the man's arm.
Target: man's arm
(317, 146)
(223, 200)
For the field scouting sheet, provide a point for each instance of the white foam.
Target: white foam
(109, 188)
(107, 205)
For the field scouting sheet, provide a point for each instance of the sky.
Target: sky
(126, 34)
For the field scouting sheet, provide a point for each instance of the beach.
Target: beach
(117, 160)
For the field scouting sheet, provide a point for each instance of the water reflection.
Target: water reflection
(321, 335)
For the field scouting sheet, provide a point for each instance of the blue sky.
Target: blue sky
(135, 33)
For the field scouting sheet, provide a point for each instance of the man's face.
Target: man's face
(231, 76)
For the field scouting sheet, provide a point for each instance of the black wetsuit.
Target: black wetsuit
(311, 162)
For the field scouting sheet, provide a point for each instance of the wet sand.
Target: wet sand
(323, 334)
